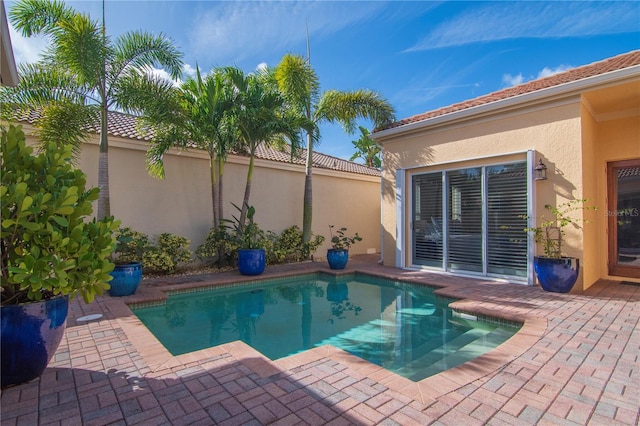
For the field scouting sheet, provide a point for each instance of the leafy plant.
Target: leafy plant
(161, 257)
(130, 246)
(288, 247)
(341, 241)
(169, 251)
(550, 232)
(249, 235)
(220, 245)
(47, 247)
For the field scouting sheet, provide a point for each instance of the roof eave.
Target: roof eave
(8, 70)
(550, 93)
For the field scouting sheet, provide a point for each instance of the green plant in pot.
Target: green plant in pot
(555, 271)
(51, 251)
(129, 251)
(251, 254)
(338, 254)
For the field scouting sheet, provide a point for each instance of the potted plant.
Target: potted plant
(338, 254)
(251, 256)
(127, 256)
(50, 251)
(556, 272)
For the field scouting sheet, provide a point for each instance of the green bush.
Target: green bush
(162, 256)
(130, 245)
(221, 245)
(288, 246)
(48, 246)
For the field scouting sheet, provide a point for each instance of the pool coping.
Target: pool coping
(158, 358)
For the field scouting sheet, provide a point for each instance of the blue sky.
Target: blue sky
(419, 55)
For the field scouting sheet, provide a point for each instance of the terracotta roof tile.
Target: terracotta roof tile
(124, 125)
(597, 68)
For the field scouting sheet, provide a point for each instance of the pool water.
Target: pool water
(402, 327)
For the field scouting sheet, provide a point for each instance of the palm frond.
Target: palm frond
(141, 50)
(79, 46)
(66, 124)
(346, 107)
(298, 81)
(32, 17)
(41, 84)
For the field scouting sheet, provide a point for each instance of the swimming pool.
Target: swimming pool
(402, 327)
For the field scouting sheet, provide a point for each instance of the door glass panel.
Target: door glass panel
(628, 216)
(506, 211)
(427, 220)
(465, 220)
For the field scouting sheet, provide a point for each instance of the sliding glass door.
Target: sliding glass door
(471, 220)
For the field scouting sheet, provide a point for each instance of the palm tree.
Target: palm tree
(299, 83)
(198, 114)
(83, 74)
(367, 149)
(261, 117)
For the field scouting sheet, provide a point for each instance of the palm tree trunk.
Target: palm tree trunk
(220, 188)
(214, 191)
(247, 191)
(307, 209)
(104, 202)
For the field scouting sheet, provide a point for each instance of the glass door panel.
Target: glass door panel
(427, 235)
(506, 219)
(464, 217)
(623, 181)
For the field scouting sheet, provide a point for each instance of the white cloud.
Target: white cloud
(27, 49)
(546, 71)
(512, 80)
(508, 20)
(229, 32)
(262, 66)
(189, 70)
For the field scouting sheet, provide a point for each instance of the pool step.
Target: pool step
(455, 353)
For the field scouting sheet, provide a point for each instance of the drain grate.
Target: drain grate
(629, 283)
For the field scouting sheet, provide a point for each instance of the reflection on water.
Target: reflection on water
(402, 327)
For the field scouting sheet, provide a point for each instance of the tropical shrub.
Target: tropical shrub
(48, 246)
(168, 252)
(288, 247)
(220, 247)
(162, 256)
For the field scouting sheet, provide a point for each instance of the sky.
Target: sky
(419, 55)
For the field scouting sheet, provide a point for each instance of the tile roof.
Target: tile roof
(597, 68)
(125, 126)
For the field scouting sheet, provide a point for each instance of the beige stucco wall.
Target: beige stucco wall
(616, 139)
(181, 203)
(553, 130)
(575, 136)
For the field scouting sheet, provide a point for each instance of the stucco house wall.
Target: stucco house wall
(181, 203)
(576, 123)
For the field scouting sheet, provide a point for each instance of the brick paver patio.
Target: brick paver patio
(575, 361)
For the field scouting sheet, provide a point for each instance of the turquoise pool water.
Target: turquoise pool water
(402, 327)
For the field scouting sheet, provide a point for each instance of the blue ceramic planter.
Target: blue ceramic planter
(126, 279)
(30, 334)
(337, 258)
(251, 261)
(556, 275)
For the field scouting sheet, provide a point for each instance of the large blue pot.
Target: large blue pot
(30, 335)
(337, 258)
(251, 261)
(126, 279)
(556, 275)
